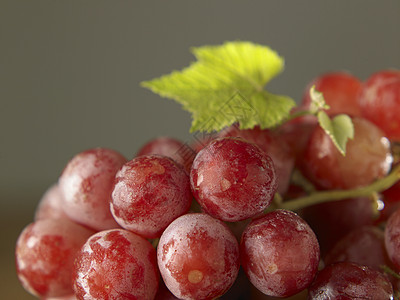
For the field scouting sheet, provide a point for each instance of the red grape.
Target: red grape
(279, 253)
(45, 253)
(368, 158)
(380, 101)
(233, 179)
(86, 184)
(274, 146)
(150, 192)
(341, 91)
(198, 257)
(347, 281)
(116, 264)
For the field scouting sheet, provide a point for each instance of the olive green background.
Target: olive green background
(70, 74)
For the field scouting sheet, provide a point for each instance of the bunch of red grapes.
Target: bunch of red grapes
(182, 221)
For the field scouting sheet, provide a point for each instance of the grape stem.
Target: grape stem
(389, 271)
(333, 195)
(300, 113)
(299, 180)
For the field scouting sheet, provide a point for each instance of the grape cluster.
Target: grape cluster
(164, 225)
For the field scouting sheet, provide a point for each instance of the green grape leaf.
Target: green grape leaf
(340, 129)
(226, 86)
(317, 101)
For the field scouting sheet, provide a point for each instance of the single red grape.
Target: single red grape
(368, 157)
(150, 192)
(86, 184)
(198, 257)
(116, 264)
(233, 179)
(272, 144)
(45, 254)
(279, 253)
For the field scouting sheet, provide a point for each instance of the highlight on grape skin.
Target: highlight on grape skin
(233, 179)
(116, 264)
(86, 184)
(198, 257)
(150, 191)
(45, 254)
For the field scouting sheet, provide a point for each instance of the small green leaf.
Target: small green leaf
(317, 101)
(226, 86)
(339, 129)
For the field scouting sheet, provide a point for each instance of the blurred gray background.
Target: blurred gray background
(70, 74)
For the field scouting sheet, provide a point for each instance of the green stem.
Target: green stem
(299, 113)
(389, 271)
(299, 180)
(333, 195)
